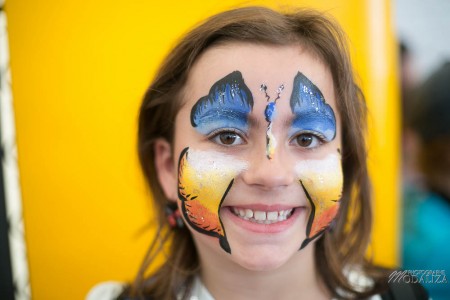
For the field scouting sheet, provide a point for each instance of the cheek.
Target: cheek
(322, 181)
(204, 179)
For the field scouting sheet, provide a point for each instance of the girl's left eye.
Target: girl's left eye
(306, 140)
(228, 138)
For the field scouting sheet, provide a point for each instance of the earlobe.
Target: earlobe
(165, 168)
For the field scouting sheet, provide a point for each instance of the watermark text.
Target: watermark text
(419, 276)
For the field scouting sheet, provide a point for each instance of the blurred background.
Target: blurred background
(74, 208)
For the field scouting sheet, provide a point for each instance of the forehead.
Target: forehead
(259, 64)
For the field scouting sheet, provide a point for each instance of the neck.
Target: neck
(296, 279)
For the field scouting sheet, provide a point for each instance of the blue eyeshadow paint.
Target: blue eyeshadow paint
(311, 112)
(226, 106)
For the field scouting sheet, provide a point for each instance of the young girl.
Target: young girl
(251, 137)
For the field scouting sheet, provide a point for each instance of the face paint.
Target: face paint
(204, 179)
(226, 106)
(311, 113)
(269, 114)
(322, 182)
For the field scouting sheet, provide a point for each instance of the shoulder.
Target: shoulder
(405, 291)
(108, 290)
(394, 289)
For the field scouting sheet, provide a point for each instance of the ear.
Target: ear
(165, 169)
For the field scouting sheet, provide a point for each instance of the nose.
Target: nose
(269, 173)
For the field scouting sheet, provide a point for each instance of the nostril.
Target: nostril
(268, 174)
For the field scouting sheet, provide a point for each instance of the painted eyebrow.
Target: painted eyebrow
(229, 93)
(307, 101)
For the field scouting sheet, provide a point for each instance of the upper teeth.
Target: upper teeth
(262, 217)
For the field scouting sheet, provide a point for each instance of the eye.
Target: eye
(227, 138)
(307, 140)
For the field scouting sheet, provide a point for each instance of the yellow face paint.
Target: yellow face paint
(322, 181)
(204, 179)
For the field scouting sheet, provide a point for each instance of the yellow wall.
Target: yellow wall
(79, 69)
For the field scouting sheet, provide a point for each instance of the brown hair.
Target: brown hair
(339, 248)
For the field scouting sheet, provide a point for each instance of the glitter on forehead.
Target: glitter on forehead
(227, 105)
(311, 112)
(307, 94)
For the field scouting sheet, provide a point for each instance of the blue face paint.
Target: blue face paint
(270, 111)
(311, 112)
(226, 106)
(269, 114)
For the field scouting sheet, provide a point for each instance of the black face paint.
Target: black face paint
(227, 105)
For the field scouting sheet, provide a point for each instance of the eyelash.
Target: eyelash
(315, 135)
(216, 134)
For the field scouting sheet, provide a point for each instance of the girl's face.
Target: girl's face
(257, 169)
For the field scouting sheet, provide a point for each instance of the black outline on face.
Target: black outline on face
(310, 220)
(322, 108)
(312, 98)
(186, 198)
(223, 92)
(235, 78)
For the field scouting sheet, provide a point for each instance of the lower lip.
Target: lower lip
(263, 228)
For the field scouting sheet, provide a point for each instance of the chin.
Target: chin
(263, 257)
(260, 264)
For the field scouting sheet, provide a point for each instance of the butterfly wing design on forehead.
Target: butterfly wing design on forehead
(227, 105)
(311, 112)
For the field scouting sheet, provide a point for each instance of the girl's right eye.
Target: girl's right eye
(227, 138)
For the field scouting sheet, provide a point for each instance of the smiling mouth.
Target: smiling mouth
(262, 217)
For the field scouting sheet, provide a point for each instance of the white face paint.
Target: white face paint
(213, 163)
(322, 181)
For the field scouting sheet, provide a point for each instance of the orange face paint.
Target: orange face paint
(204, 179)
(322, 182)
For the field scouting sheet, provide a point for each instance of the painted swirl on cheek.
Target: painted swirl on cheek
(204, 179)
(322, 182)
